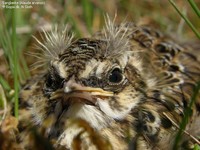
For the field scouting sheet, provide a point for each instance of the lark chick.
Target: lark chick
(125, 87)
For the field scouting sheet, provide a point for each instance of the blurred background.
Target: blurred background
(22, 19)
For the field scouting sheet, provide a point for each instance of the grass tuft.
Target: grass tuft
(10, 44)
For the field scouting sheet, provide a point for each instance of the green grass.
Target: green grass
(10, 45)
(196, 147)
(88, 12)
(16, 64)
(194, 7)
(4, 83)
(189, 23)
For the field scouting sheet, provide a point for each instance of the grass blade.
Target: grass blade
(187, 114)
(4, 83)
(16, 68)
(194, 7)
(3, 102)
(186, 19)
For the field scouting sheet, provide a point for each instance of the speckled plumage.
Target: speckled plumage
(125, 87)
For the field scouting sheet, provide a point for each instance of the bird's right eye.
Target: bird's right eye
(53, 82)
(49, 80)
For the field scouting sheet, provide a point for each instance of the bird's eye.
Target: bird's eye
(53, 82)
(49, 80)
(115, 76)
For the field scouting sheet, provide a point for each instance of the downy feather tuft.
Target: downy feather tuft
(53, 43)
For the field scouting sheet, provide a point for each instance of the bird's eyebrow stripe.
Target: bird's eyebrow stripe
(101, 68)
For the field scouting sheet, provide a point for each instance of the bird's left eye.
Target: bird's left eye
(115, 76)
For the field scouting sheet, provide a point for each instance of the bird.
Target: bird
(127, 86)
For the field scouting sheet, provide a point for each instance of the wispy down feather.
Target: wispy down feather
(59, 39)
(53, 43)
(116, 36)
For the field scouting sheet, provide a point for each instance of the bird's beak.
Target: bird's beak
(80, 93)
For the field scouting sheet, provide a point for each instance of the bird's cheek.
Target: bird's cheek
(112, 109)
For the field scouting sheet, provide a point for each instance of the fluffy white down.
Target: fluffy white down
(115, 114)
(89, 113)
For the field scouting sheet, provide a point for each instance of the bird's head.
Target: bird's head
(99, 75)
